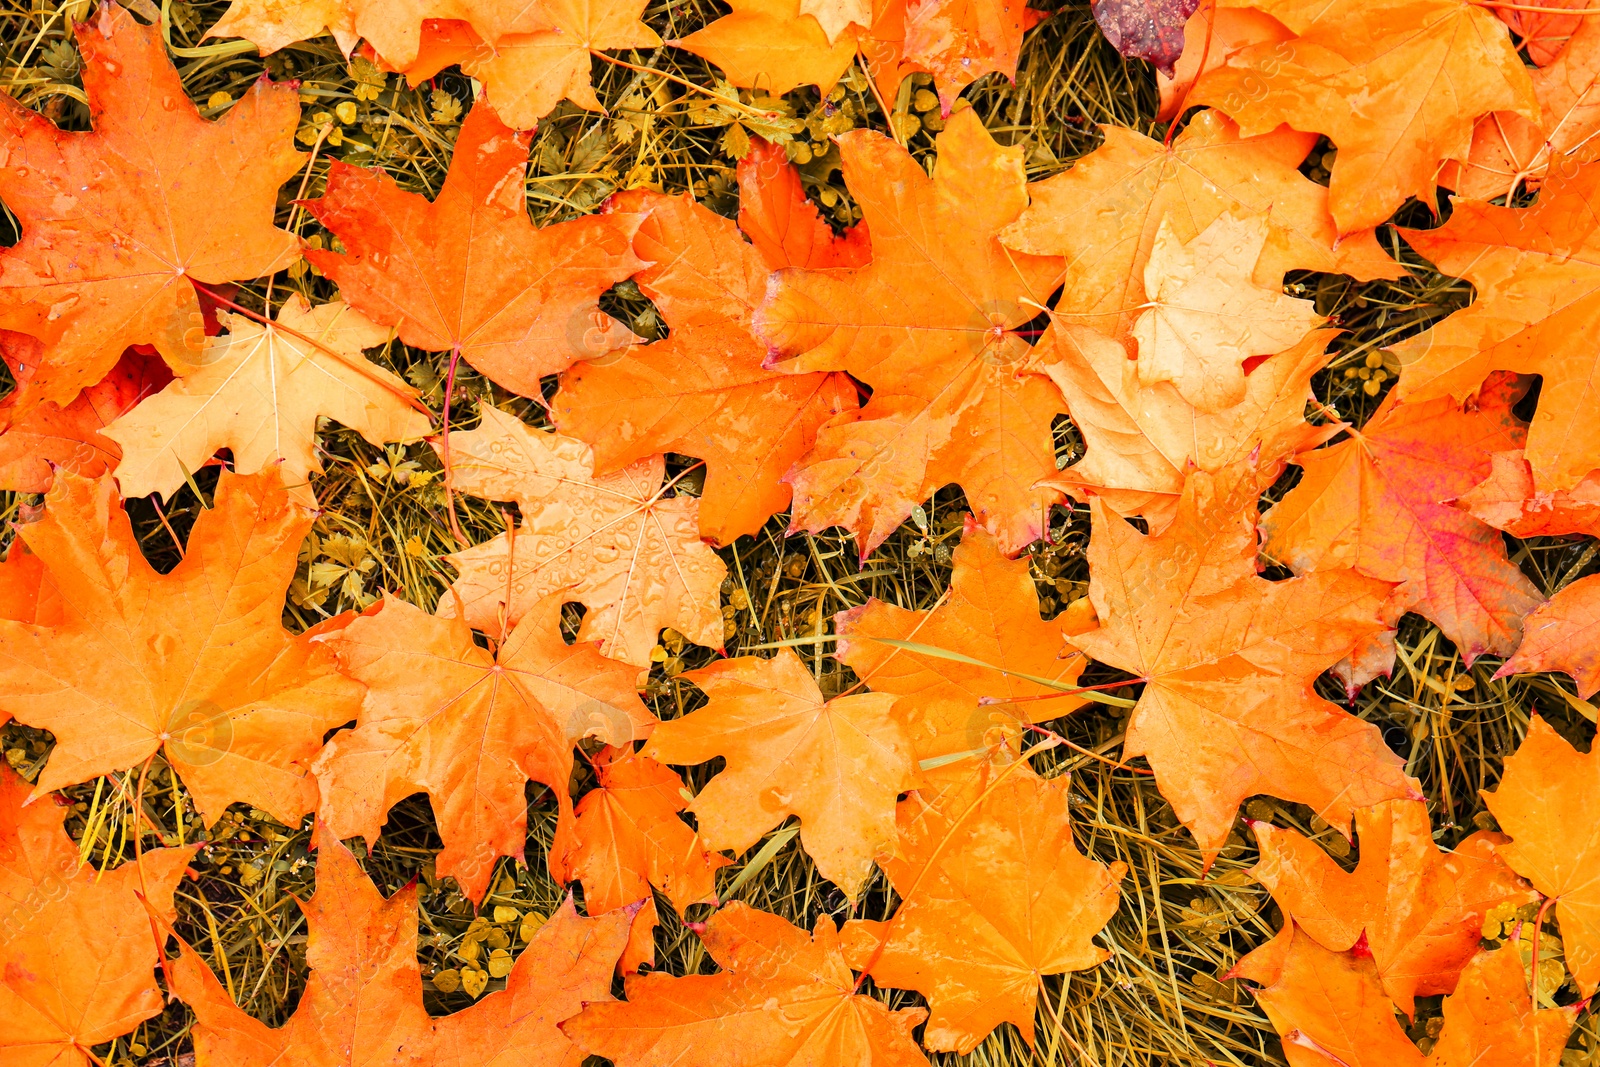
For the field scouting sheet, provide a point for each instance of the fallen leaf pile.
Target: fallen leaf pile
(1118, 360)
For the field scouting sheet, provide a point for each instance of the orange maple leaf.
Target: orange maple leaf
(837, 765)
(1228, 659)
(1104, 213)
(785, 227)
(100, 265)
(1231, 30)
(776, 45)
(26, 592)
(1536, 272)
(1543, 33)
(781, 997)
(930, 325)
(76, 949)
(1559, 635)
(526, 75)
(614, 543)
(50, 436)
(1548, 798)
(363, 1001)
(703, 391)
(1141, 440)
(193, 663)
(1510, 153)
(628, 838)
(1418, 910)
(444, 716)
(1376, 502)
(396, 29)
(1437, 64)
(469, 273)
(772, 45)
(1330, 1008)
(993, 894)
(1508, 500)
(258, 391)
(1001, 654)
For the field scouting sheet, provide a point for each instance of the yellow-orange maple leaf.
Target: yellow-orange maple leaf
(772, 45)
(1104, 212)
(994, 894)
(614, 543)
(1228, 659)
(1206, 316)
(363, 1001)
(1395, 84)
(193, 663)
(1536, 272)
(781, 997)
(991, 616)
(930, 325)
(258, 391)
(469, 273)
(1548, 800)
(118, 222)
(526, 75)
(628, 837)
(702, 391)
(1417, 909)
(444, 716)
(1375, 502)
(1141, 440)
(837, 765)
(76, 950)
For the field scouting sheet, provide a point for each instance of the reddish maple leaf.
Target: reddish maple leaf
(469, 273)
(193, 663)
(77, 959)
(444, 716)
(118, 224)
(1536, 273)
(1146, 29)
(363, 1001)
(1402, 467)
(703, 391)
(1228, 659)
(1418, 910)
(837, 765)
(37, 442)
(994, 894)
(1547, 800)
(781, 997)
(930, 325)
